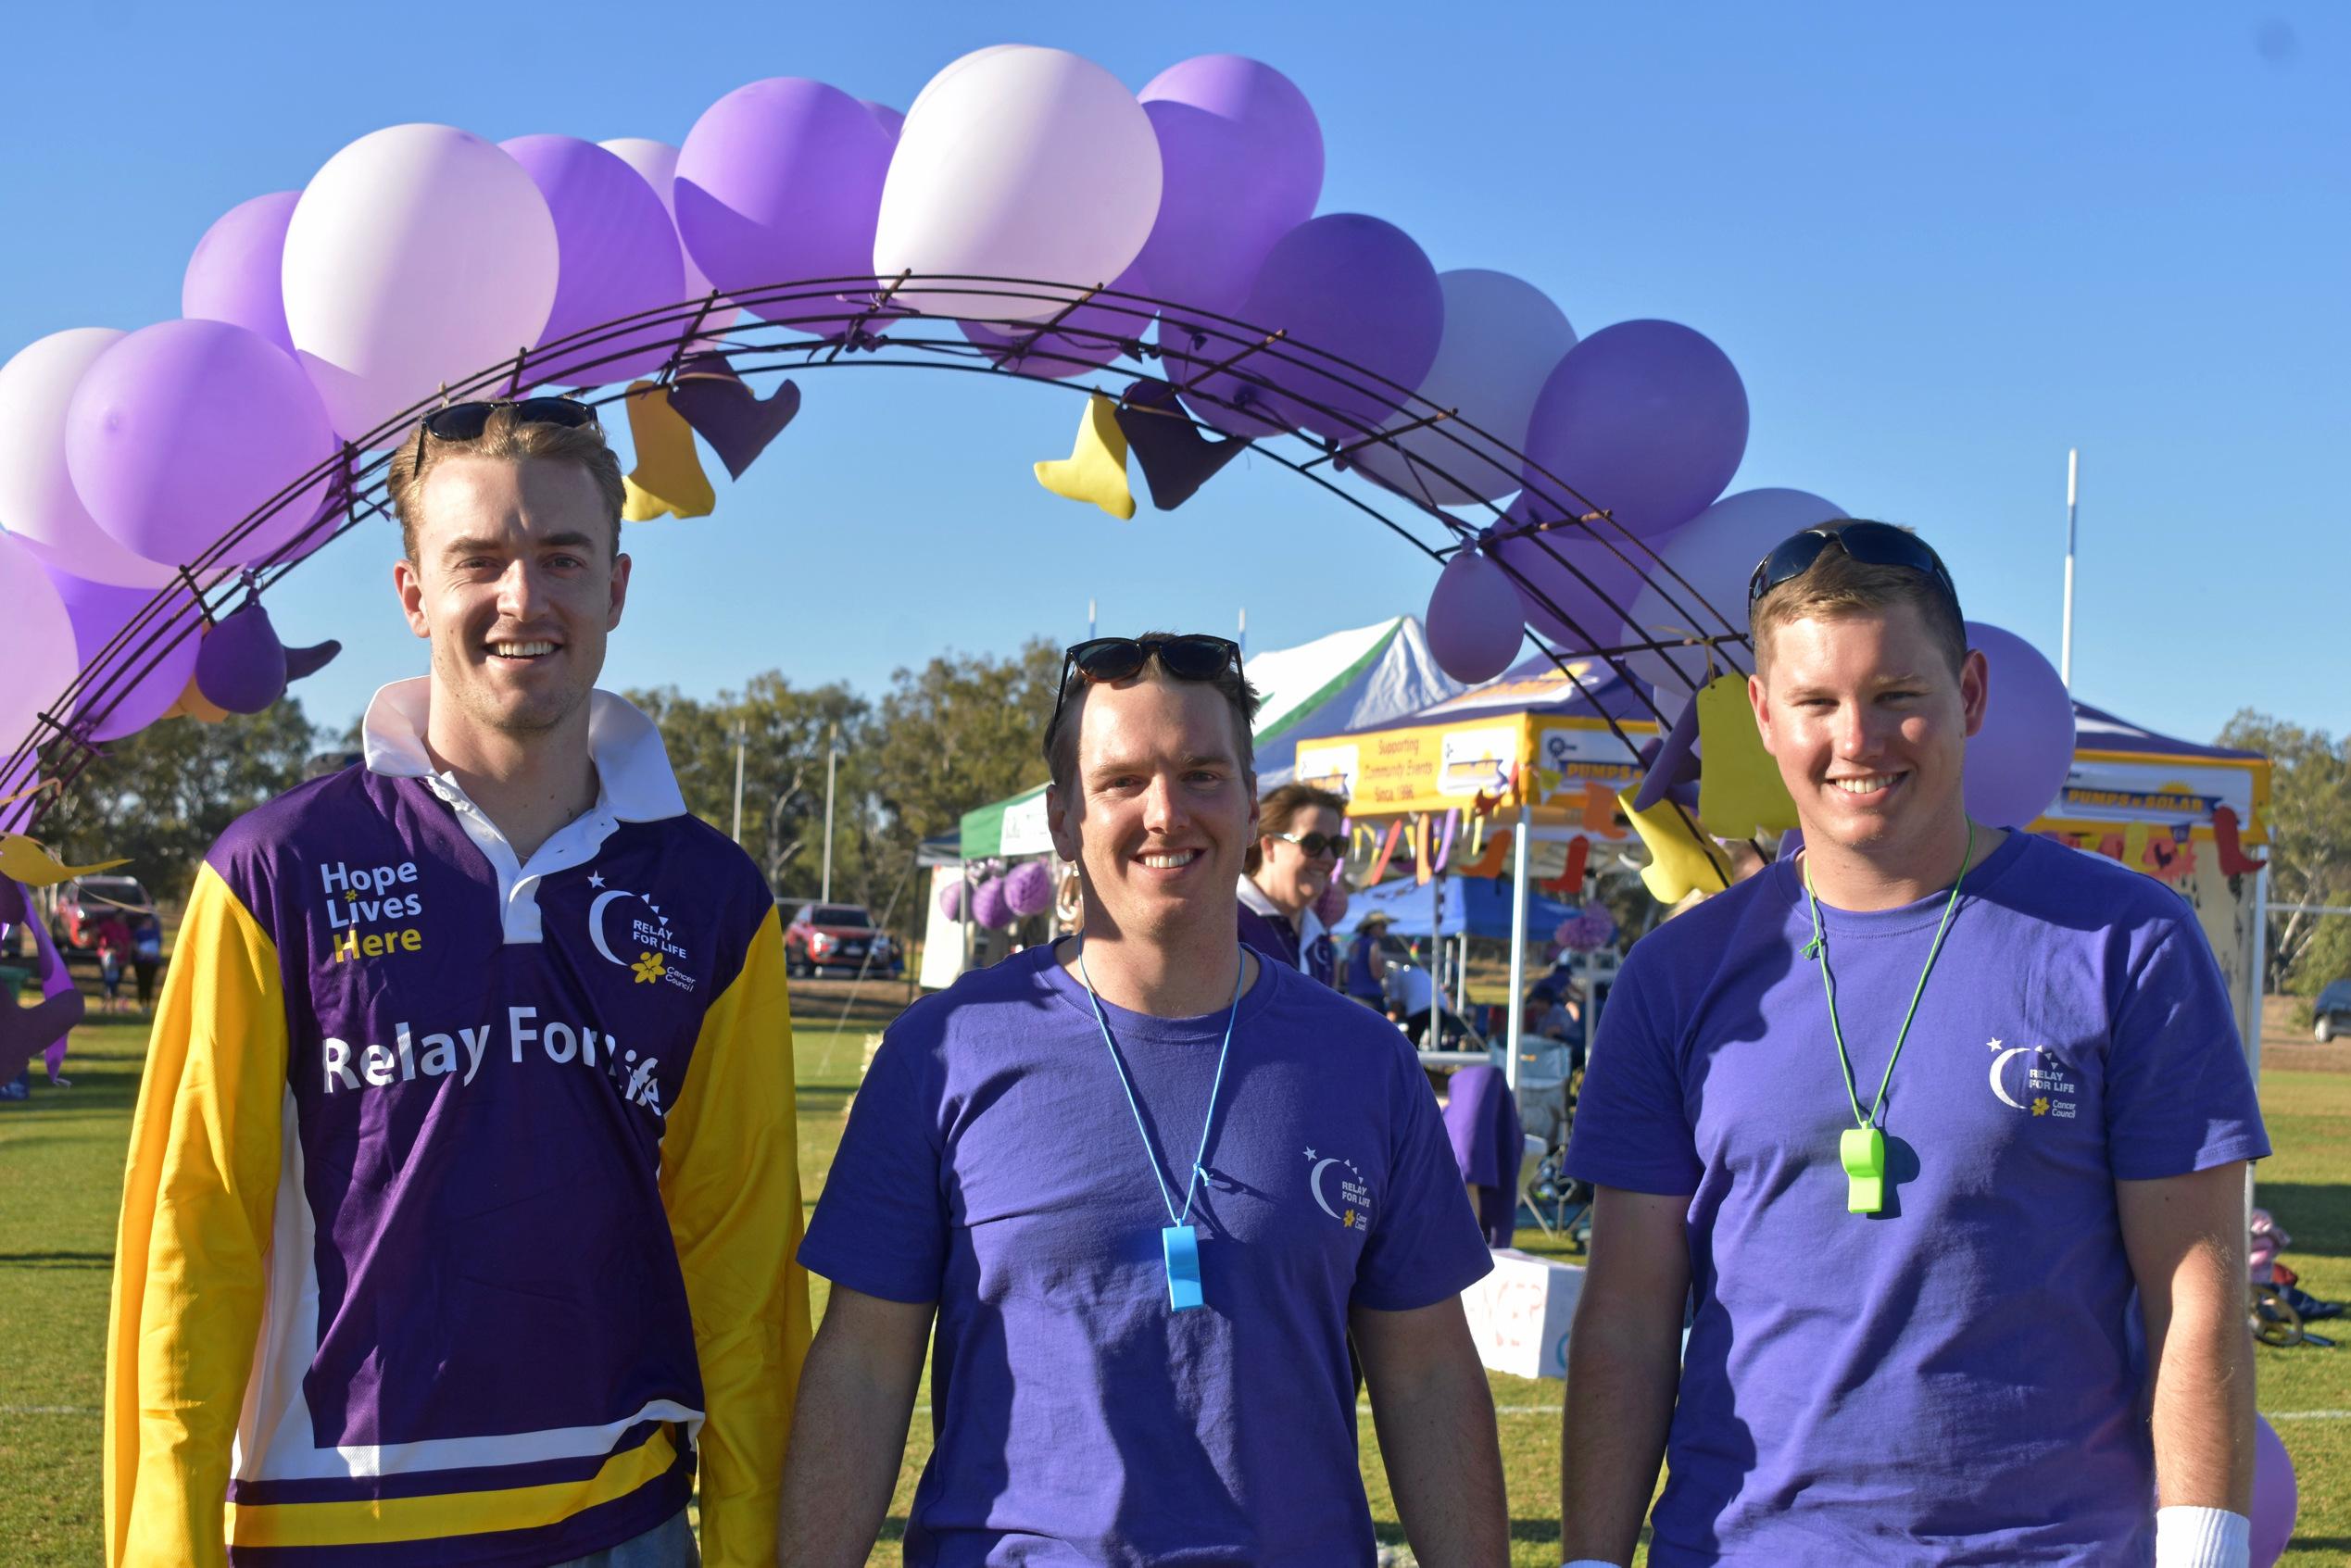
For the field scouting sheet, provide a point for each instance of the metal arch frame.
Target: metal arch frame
(874, 321)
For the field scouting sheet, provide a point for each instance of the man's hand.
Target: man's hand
(1435, 1416)
(1624, 1368)
(2185, 1237)
(849, 1430)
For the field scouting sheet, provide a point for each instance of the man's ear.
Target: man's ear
(1064, 835)
(1762, 705)
(619, 591)
(1975, 689)
(409, 588)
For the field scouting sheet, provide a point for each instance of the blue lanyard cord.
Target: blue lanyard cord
(1191, 1187)
(1819, 948)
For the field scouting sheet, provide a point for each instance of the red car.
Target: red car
(840, 938)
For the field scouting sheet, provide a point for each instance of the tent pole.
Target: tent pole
(1517, 940)
(1436, 962)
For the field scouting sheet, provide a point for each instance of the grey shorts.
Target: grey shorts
(668, 1545)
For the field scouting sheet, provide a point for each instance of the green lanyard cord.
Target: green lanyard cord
(1819, 948)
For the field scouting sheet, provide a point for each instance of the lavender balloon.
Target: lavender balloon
(988, 905)
(37, 500)
(1474, 623)
(1345, 285)
(1028, 888)
(1705, 591)
(2276, 1499)
(235, 273)
(616, 255)
(1242, 156)
(780, 182)
(1646, 420)
(148, 672)
(1572, 586)
(181, 431)
(241, 664)
(1087, 338)
(36, 647)
(2017, 763)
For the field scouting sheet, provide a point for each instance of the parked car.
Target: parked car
(838, 937)
(86, 900)
(2330, 1014)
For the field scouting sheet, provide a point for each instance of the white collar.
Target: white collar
(1253, 897)
(634, 779)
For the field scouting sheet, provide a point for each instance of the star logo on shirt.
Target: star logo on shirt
(1309, 1154)
(596, 879)
(1995, 1045)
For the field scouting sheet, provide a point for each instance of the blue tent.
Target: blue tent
(1484, 901)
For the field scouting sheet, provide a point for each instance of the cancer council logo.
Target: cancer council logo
(636, 936)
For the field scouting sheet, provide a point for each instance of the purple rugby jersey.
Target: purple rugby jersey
(991, 1165)
(1956, 1380)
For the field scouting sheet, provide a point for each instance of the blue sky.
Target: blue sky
(1940, 243)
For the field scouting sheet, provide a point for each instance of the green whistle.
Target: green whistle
(1863, 1152)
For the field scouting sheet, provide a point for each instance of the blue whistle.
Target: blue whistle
(1181, 1244)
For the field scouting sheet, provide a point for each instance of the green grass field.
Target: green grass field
(60, 1170)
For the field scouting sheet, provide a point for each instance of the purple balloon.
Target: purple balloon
(181, 431)
(1089, 336)
(989, 905)
(1241, 164)
(889, 120)
(2017, 763)
(1646, 420)
(1573, 587)
(2276, 1500)
(1028, 888)
(235, 274)
(241, 664)
(1345, 285)
(146, 677)
(1474, 623)
(781, 182)
(616, 255)
(950, 900)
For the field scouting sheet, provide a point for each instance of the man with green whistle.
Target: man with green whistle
(1940, 1130)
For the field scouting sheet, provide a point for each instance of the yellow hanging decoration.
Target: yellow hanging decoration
(1680, 861)
(1096, 468)
(1422, 870)
(26, 861)
(193, 704)
(1739, 790)
(668, 476)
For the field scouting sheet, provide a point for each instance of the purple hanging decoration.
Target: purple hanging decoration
(40, 1030)
(242, 666)
(1176, 458)
(723, 410)
(1445, 842)
(300, 662)
(1676, 762)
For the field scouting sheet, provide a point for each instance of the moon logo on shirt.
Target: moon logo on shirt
(596, 924)
(1315, 1186)
(2001, 1089)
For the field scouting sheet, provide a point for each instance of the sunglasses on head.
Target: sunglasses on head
(1316, 845)
(466, 421)
(1872, 543)
(1191, 656)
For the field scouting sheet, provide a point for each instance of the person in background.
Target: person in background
(146, 957)
(1298, 848)
(1366, 968)
(112, 938)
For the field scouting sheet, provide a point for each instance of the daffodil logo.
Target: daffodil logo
(2040, 1105)
(662, 954)
(647, 969)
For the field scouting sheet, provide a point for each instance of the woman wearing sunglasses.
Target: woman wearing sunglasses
(1299, 850)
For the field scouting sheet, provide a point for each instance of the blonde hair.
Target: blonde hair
(1835, 585)
(506, 438)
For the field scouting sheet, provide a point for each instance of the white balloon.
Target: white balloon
(37, 645)
(1018, 162)
(37, 500)
(656, 161)
(1503, 339)
(1715, 553)
(417, 256)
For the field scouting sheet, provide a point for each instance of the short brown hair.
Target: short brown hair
(504, 438)
(1060, 731)
(1835, 585)
(1282, 806)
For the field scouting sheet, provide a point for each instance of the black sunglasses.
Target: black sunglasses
(466, 421)
(1872, 543)
(1192, 657)
(1314, 845)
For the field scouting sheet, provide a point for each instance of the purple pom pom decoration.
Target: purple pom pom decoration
(989, 907)
(950, 900)
(1028, 890)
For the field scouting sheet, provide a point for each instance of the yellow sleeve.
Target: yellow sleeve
(731, 1182)
(198, 1197)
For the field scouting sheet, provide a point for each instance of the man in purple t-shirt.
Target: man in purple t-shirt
(1137, 1189)
(1941, 1131)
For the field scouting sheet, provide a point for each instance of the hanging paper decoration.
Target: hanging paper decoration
(1028, 888)
(1096, 468)
(1676, 761)
(1445, 844)
(668, 476)
(725, 412)
(26, 861)
(1176, 459)
(1740, 790)
(1570, 879)
(241, 666)
(950, 901)
(301, 662)
(1681, 863)
(1586, 931)
(2226, 837)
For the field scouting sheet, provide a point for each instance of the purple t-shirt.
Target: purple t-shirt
(1954, 1380)
(992, 1164)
